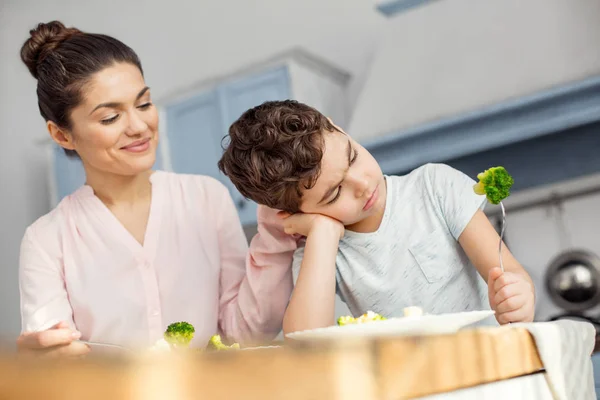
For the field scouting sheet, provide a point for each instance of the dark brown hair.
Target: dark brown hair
(275, 151)
(63, 60)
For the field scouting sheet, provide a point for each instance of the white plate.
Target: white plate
(407, 326)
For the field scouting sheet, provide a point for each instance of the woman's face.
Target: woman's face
(115, 128)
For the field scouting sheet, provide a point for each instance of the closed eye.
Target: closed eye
(109, 121)
(145, 106)
(337, 196)
(354, 157)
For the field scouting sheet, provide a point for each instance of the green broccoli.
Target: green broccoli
(495, 184)
(216, 343)
(179, 334)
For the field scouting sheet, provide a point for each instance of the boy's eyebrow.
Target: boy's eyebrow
(332, 189)
(115, 105)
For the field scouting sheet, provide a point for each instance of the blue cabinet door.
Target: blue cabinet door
(237, 97)
(68, 173)
(195, 128)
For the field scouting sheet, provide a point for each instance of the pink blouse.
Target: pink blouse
(79, 264)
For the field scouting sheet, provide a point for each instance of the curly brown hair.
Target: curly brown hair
(275, 151)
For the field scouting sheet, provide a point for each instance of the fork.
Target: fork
(108, 345)
(502, 235)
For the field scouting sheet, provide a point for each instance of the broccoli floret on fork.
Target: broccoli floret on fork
(495, 184)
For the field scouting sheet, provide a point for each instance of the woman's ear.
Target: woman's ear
(61, 136)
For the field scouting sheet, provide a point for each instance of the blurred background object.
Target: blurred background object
(464, 82)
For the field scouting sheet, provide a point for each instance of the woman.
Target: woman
(133, 250)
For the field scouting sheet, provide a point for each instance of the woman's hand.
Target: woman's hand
(59, 340)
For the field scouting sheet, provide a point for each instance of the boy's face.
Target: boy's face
(350, 188)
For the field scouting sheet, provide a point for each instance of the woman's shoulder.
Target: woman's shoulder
(47, 228)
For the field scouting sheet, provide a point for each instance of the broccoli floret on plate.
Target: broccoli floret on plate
(215, 343)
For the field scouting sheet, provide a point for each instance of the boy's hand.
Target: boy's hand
(511, 296)
(303, 224)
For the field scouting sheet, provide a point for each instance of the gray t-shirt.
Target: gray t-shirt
(414, 258)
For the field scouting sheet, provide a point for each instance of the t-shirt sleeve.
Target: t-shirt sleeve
(453, 196)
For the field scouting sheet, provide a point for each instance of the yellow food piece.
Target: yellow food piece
(370, 316)
(479, 188)
(413, 311)
(216, 343)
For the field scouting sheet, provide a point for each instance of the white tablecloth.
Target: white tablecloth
(565, 348)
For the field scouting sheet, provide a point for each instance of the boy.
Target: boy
(382, 242)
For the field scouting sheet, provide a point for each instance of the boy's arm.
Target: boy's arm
(480, 242)
(313, 300)
(512, 293)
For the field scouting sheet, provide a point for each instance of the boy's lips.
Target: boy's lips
(372, 199)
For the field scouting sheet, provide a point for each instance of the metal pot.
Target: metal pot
(573, 280)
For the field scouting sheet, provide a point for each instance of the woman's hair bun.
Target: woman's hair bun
(42, 41)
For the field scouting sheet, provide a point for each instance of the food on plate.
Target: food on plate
(179, 334)
(413, 311)
(215, 343)
(161, 346)
(494, 183)
(369, 316)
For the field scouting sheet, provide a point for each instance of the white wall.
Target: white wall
(452, 56)
(180, 43)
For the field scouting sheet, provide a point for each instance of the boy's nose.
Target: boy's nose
(362, 185)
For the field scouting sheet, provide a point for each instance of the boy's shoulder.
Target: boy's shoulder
(429, 176)
(432, 171)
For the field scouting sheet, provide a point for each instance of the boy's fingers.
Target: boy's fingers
(494, 274)
(504, 280)
(511, 304)
(513, 316)
(506, 292)
(283, 214)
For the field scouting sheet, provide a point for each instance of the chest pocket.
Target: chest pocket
(437, 256)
